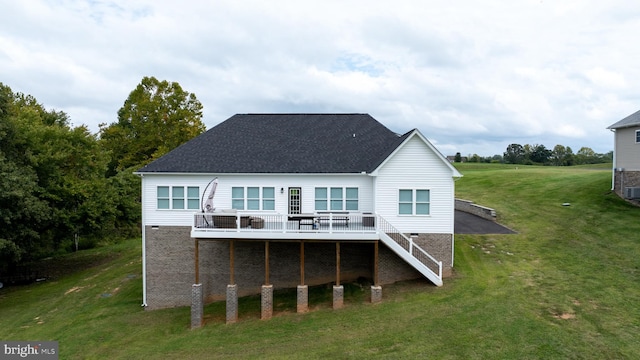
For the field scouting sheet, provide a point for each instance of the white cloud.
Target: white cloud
(472, 76)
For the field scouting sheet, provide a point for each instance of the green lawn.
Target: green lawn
(566, 286)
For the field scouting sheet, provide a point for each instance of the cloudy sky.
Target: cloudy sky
(472, 76)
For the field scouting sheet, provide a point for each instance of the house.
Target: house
(625, 179)
(296, 200)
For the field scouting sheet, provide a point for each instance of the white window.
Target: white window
(336, 199)
(414, 202)
(256, 198)
(178, 197)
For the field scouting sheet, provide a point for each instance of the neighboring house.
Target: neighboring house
(626, 157)
(300, 199)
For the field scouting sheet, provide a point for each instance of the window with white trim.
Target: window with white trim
(414, 202)
(336, 199)
(253, 198)
(637, 136)
(178, 197)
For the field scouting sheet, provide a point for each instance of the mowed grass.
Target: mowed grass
(566, 286)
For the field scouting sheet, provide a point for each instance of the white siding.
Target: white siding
(627, 150)
(416, 166)
(222, 198)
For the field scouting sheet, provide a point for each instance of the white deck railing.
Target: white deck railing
(284, 223)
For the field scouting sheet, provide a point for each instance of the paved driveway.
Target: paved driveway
(466, 223)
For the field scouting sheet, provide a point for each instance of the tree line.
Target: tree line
(63, 188)
(538, 154)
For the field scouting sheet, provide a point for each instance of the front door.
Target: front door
(295, 201)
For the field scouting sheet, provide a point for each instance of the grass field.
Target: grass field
(566, 286)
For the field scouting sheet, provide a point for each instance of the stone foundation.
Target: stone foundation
(267, 302)
(338, 296)
(232, 304)
(303, 299)
(623, 179)
(197, 306)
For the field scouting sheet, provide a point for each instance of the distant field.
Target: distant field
(566, 286)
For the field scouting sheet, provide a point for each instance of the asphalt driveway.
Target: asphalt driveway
(466, 223)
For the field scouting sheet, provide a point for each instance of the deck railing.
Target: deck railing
(274, 222)
(410, 247)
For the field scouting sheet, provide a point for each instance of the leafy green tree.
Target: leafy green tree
(457, 158)
(514, 154)
(540, 154)
(561, 156)
(586, 155)
(51, 179)
(156, 117)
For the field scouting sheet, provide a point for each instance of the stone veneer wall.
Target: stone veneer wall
(171, 265)
(623, 179)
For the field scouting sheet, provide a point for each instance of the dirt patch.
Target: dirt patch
(565, 316)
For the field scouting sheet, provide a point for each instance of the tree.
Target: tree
(52, 177)
(458, 158)
(561, 156)
(539, 154)
(586, 156)
(157, 117)
(514, 154)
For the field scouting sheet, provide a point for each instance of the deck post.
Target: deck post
(302, 262)
(376, 263)
(376, 289)
(232, 279)
(197, 306)
(266, 263)
(337, 264)
(303, 290)
(197, 262)
(338, 290)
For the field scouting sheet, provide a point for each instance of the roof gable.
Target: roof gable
(629, 121)
(416, 133)
(284, 143)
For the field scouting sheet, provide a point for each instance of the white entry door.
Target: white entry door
(295, 200)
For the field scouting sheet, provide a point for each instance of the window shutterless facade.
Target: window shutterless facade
(178, 197)
(414, 202)
(336, 199)
(637, 136)
(253, 198)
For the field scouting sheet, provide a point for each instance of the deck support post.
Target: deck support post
(197, 306)
(232, 304)
(266, 302)
(376, 289)
(266, 263)
(197, 261)
(232, 279)
(303, 290)
(337, 264)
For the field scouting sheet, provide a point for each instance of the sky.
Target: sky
(472, 76)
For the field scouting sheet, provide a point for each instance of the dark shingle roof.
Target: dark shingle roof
(284, 143)
(631, 120)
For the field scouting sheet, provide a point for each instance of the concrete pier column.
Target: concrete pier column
(267, 302)
(338, 296)
(197, 306)
(303, 299)
(232, 304)
(376, 294)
